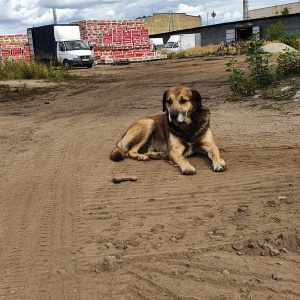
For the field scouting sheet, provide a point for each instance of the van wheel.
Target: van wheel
(66, 64)
(89, 66)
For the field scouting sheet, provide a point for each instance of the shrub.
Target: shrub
(276, 31)
(260, 72)
(292, 40)
(239, 85)
(258, 64)
(296, 43)
(288, 64)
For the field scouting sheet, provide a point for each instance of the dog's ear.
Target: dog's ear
(197, 98)
(164, 100)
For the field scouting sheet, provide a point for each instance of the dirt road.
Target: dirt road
(67, 232)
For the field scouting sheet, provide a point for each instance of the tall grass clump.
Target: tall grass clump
(10, 70)
(198, 51)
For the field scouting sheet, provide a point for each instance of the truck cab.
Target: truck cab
(173, 46)
(74, 53)
(183, 42)
(173, 43)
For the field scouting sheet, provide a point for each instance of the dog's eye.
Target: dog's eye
(182, 101)
(169, 101)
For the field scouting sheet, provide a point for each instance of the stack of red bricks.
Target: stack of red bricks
(113, 40)
(14, 47)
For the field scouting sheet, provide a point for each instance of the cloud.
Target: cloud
(190, 10)
(17, 15)
(228, 16)
(222, 11)
(75, 4)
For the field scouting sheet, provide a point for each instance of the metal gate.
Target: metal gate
(230, 35)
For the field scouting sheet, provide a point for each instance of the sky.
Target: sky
(18, 15)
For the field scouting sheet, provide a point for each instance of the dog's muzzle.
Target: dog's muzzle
(176, 116)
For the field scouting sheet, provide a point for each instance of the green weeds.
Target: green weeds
(24, 70)
(288, 64)
(260, 73)
(239, 84)
(10, 70)
(271, 93)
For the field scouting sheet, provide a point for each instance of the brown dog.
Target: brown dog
(182, 131)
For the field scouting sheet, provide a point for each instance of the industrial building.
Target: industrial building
(272, 11)
(237, 31)
(166, 22)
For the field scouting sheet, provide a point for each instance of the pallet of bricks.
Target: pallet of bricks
(117, 40)
(14, 47)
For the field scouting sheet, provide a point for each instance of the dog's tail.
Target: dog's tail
(117, 154)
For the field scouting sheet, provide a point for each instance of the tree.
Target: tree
(285, 11)
(276, 31)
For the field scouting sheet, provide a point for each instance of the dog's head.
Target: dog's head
(181, 103)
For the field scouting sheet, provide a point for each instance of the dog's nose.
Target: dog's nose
(174, 115)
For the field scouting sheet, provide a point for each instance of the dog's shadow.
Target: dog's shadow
(200, 159)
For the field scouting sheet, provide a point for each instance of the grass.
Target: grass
(271, 93)
(10, 70)
(200, 51)
(25, 70)
(217, 50)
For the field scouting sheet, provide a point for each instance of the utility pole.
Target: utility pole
(245, 10)
(54, 15)
(171, 23)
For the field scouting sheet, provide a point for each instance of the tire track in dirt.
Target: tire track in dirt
(15, 250)
(57, 240)
(46, 260)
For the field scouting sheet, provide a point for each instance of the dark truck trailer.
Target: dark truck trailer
(59, 44)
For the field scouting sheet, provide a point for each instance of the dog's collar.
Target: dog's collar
(187, 131)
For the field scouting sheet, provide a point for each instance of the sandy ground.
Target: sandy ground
(68, 232)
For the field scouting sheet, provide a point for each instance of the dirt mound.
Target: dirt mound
(277, 48)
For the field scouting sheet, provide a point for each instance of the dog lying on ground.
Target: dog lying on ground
(180, 132)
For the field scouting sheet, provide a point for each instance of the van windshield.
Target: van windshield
(76, 45)
(171, 45)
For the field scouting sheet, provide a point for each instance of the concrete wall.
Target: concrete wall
(215, 34)
(159, 23)
(274, 10)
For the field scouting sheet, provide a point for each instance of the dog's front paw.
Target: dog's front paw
(219, 166)
(188, 170)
